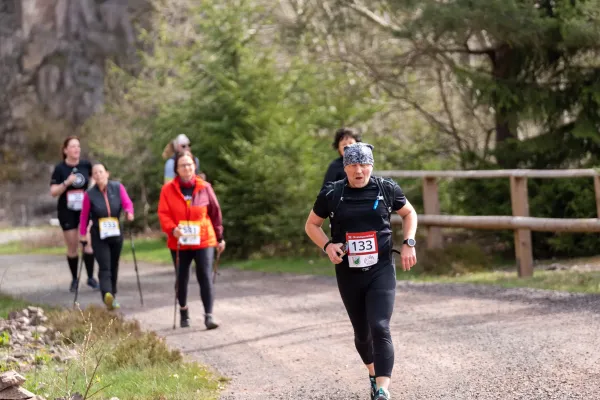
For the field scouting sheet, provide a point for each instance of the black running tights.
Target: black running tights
(369, 300)
(107, 253)
(204, 262)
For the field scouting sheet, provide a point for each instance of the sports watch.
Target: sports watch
(410, 242)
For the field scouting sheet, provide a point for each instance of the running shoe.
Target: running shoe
(373, 386)
(382, 394)
(210, 324)
(108, 300)
(185, 318)
(93, 283)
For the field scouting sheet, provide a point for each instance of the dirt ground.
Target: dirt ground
(288, 337)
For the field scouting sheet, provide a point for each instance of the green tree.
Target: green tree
(254, 116)
(260, 115)
(523, 61)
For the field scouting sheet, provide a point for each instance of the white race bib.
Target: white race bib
(75, 200)
(191, 233)
(362, 249)
(109, 227)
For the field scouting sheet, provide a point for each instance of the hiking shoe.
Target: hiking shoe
(373, 386)
(74, 284)
(93, 283)
(185, 318)
(109, 300)
(210, 324)
(382, 394)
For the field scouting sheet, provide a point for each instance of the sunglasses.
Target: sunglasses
(185, 146)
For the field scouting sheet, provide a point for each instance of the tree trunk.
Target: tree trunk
(146, 207)
(505, 69)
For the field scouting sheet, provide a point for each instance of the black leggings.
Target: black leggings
(369, 300)
(107, 253)
(204, 262)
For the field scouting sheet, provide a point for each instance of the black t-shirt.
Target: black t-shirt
(72, 197)
(187, 192)
(356, 214)
(335, 171)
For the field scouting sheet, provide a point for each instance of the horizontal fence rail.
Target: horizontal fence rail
(520, 221)
(508, 222)
(492, 173)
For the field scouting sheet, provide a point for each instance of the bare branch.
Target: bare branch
(488, 138)
(466, 50)
(379, 78)
(363, 10)
(452, 130)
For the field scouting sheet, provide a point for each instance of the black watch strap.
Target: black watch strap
(325, 245)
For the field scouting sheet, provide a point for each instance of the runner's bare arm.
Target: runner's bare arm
(57, 190)
(409, 220)
(314, 231)
(409, 227)
(317, 235)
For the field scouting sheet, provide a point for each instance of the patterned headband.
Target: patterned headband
(358, 153)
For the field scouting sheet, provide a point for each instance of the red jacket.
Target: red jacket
(203, 212)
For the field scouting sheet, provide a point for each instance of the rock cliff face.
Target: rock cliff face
(52, 67)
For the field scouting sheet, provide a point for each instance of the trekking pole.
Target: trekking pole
(216, 266)
(137, 274)
(79, 273)
(176, 284)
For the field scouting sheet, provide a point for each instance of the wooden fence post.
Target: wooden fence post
(597, 191)
(520, 208)
(431, 205)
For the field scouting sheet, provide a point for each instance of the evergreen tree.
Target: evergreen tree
(524, 60)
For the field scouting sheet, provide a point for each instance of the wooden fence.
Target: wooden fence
(520, 221)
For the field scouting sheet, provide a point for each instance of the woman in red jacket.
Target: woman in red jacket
(190, 215)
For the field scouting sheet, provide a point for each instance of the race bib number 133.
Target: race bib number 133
(362, 249)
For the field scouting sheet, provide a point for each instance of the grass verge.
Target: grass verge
(176, 381)
(19, 248)
(310, 266)
(150, 250)
(115, 358)
(8, 304)
(566, 281)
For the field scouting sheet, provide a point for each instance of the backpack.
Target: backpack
(386, 188)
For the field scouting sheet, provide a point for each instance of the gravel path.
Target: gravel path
(288, 337)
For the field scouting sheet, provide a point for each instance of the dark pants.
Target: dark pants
(107, 253)
(369, 300)
(204, 262)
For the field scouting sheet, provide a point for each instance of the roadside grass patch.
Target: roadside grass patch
(150, 249)
(566, 281)
(115, 358)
